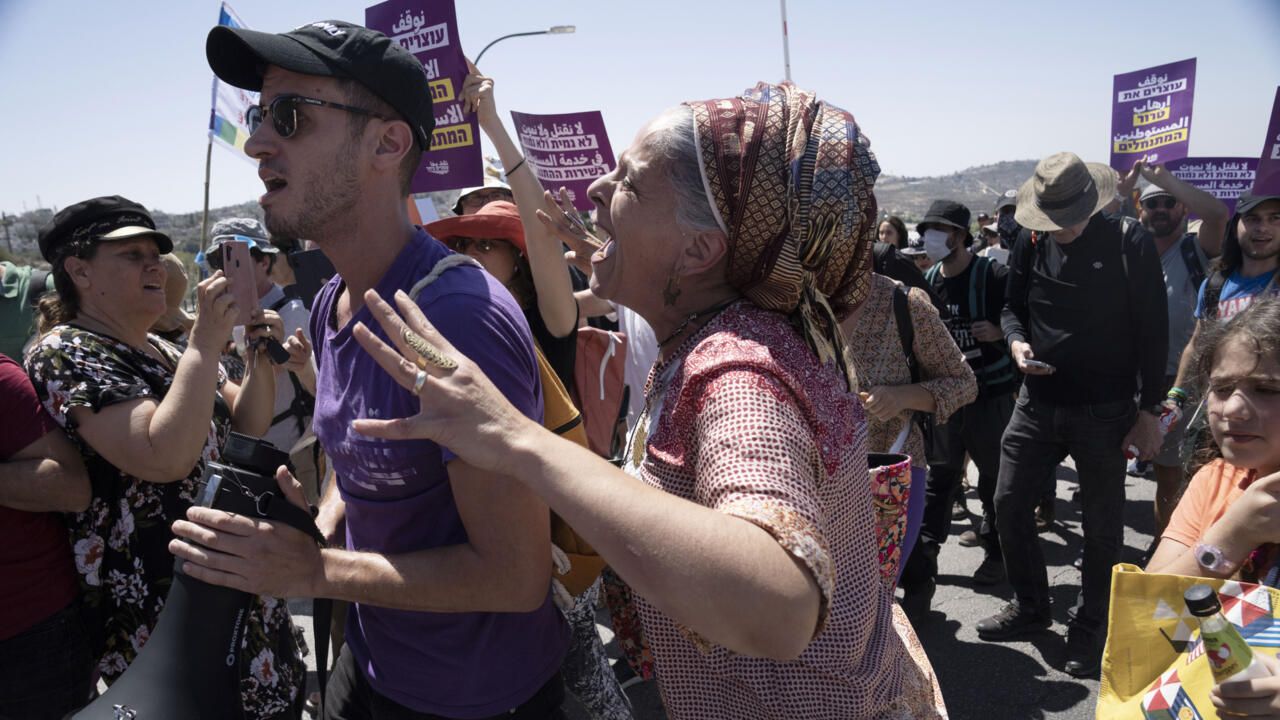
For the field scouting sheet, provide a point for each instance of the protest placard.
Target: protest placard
(429, 30)
(1225, 178)
(1268, 178)
(570, 149)
(1151, 114)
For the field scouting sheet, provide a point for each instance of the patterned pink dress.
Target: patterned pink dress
(743, 419)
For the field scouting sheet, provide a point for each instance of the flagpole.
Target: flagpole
(786, 47)
(204, 219)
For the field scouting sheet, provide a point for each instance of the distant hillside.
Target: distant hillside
(908, 197)
(183, 228)
(976, 187)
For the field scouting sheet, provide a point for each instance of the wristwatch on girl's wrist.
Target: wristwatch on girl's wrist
(1212, 559)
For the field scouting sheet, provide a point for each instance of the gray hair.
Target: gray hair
(673, 140)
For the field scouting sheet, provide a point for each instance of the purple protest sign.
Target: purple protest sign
(1151, 114)
(570, 149)
(429, 30)
(1268, 180)
(1225, 178)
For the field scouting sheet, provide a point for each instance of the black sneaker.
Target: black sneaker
(1013, 620)
(990, 572)
(1084, 653)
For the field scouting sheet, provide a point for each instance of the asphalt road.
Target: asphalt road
(980, 680)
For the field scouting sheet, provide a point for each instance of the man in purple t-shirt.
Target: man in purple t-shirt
(447, 567)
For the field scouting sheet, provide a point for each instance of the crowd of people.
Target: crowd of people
(785, 345)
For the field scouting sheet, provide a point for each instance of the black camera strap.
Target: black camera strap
(270, 505)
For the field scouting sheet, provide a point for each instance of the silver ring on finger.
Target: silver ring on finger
(418, 381)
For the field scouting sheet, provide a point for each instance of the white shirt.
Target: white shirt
(295, 316)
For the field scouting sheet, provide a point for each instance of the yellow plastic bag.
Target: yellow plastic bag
(1152, 667)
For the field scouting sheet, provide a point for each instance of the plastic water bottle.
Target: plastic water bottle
(1230, 657)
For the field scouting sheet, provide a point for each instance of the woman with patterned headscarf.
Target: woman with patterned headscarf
(741, 229)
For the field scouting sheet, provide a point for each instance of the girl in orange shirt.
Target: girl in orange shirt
(1227, 524)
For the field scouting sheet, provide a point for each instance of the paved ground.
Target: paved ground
(982, 680)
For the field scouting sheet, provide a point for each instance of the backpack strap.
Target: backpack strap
(932, 273)
(906, 330)
(978, 287)
(1191, 258)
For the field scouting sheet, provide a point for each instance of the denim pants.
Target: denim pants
(1040, 435)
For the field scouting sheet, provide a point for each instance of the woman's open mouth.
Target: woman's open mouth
(604, 253)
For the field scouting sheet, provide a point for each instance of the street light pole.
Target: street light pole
(553, 30)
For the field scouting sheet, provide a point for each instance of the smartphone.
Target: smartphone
(237, 265)
(1041, 365)
(311, 270)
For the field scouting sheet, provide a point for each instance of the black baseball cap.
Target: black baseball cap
(102, 219)
(1008, 199)
(1249, 202)
(329, 48)
(946, 212)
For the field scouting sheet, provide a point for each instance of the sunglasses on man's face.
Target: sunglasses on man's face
(1157, 203)
(284, 113)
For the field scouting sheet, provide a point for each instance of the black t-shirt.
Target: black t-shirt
(560, 352)
(958, 295)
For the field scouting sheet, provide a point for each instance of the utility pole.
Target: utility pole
(786, 43)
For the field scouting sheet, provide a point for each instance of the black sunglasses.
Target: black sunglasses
(1163, 201)
(284, 113)
(460, 244)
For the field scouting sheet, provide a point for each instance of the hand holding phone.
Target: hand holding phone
(1049, 369)
(1024, 356)
(237, 265)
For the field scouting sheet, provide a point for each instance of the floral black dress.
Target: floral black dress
(121, 541)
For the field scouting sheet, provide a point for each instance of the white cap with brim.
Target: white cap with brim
(490, 182)
(1064, 191)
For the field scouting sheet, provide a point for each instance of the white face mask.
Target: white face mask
(935, 244)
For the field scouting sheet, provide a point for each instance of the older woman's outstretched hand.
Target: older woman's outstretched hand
(461, 409)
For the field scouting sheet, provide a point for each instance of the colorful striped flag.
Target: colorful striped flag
(226, 115)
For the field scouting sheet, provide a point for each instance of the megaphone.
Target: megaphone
(191, 665)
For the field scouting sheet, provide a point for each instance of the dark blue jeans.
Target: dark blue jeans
(47, 671)
(1040, 435)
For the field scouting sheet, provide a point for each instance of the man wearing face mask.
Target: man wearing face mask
(1006, 222)
(1086, 319)
(971, 289)
(1184, 257)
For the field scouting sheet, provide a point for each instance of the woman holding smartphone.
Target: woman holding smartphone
(145, 418)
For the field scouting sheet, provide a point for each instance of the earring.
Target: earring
(672, 291)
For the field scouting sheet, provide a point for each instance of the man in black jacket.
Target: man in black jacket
(1086, 323)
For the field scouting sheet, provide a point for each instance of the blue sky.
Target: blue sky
(106, 98)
